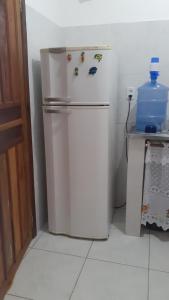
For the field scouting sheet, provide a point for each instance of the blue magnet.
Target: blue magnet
(93, 71)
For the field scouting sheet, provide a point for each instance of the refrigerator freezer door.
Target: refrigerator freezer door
(89, 172)
(86, 78)
(90, 88)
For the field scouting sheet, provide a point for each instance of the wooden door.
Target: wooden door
(17, 221)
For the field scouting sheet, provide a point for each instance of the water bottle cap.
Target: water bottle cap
(155, 60)
(154, 67)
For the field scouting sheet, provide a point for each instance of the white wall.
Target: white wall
(48, 8)
(92, 12)
(41, 33)
(134, 44)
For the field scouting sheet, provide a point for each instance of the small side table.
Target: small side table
(136, 157)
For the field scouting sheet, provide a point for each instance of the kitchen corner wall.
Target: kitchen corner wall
(134, 44)
(41, 33)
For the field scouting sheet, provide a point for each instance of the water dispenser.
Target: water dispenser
(152, 101)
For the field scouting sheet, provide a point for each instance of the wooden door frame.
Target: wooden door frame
(28, 135)
(28, 110)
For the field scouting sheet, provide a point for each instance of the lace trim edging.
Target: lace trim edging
(151, 219)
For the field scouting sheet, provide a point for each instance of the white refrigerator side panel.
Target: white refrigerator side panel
(89, 172)
(56, 147)
(86, 88)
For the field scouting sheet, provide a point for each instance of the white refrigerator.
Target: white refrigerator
(79, 100)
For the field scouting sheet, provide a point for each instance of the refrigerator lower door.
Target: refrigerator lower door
(89, 171)
(77, 161)
(56, 148)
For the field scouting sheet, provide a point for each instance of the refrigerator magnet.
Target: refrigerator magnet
(69, 57)
(92, 71)
(83, 57)
(98, 56)
(76, 71)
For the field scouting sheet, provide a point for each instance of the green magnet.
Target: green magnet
(98, 56)
(76, 71)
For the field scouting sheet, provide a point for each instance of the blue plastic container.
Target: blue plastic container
(152, 104)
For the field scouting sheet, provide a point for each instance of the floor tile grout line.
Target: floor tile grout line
(157, 270)
(80, 271)
(118, 263)
(89, 249)
(90, 258)
(19, 297)
(30, 248)
(58, 252)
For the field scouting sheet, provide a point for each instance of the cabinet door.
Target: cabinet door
(88, 131)
(16, 180)
(56, 148)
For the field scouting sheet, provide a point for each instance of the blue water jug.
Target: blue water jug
(152, 101)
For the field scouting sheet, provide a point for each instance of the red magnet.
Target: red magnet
(82, 57)
(69, 57)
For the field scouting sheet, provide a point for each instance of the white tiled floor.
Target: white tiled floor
(61, 268)
(102, 280)
(118, 249)
(43, 275)
(159, 251)
(63, 244)
(158, 285)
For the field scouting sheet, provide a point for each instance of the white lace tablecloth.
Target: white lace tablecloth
(155, 208)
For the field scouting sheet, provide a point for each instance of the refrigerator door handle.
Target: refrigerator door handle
(57, 99)
(54, 110)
